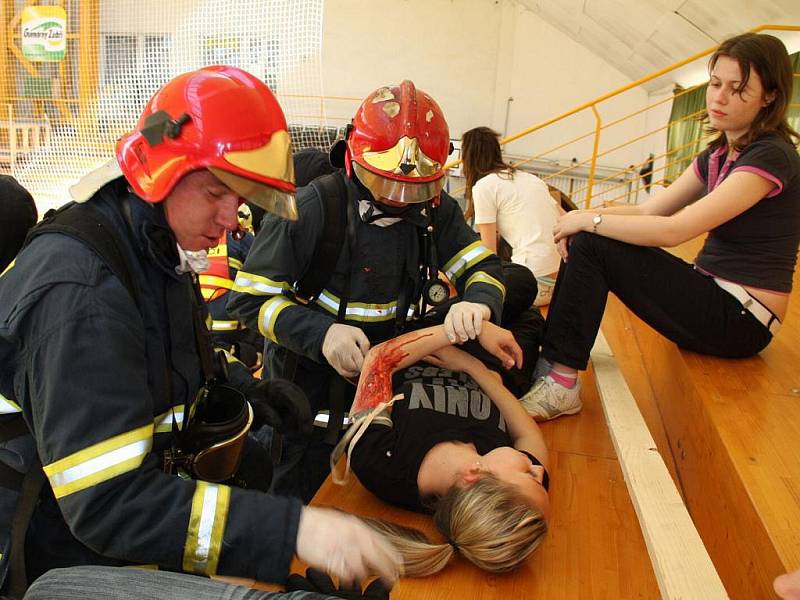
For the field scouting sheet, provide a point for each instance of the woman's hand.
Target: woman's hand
(562, 247)
(450, 357)
(571, 223)
(501, 343)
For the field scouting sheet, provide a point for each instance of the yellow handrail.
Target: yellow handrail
(662, 168)
(606, 126)
(637, 83)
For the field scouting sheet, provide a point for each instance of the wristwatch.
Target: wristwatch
(596, 220)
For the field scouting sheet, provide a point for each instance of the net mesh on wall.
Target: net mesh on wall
(61, 111)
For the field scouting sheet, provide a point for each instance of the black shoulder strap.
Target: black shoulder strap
(87, 225)
(331, 189)
(31, 488)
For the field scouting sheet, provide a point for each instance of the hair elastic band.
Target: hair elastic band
(545, 475)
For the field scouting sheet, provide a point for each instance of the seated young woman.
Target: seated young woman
(744, 190)
(453, 441)
(512, 203)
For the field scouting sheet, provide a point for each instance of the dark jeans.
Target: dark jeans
(118, 583)
(665, 292)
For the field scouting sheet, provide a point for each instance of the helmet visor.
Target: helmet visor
(269, 198)
(395, 190)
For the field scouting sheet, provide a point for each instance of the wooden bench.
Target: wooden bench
(729, 431)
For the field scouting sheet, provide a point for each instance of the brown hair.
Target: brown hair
(481, 155)
(767, 55)
(490, 523)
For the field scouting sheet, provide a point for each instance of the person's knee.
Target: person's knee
(592, 245)
(788, 586)
(583, 240)
(53, 584)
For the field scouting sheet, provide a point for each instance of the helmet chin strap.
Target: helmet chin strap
(416, 214)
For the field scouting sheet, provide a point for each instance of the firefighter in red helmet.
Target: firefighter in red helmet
(105, 364)
(398, 145)
(361, 265)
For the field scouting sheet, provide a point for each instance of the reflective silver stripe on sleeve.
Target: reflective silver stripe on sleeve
(258, 285)
(463, 260)
(94, 465)
(100, 462)
(268, 314)
(206, 528)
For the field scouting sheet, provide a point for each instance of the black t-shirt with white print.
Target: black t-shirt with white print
(437, 405)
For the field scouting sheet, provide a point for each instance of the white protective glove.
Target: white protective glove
(343, 546)
(345, 347)
(464, 319)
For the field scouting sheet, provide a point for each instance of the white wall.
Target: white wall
(471, 56)
(446, 47)
(551, 75)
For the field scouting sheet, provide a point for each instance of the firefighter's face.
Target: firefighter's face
(200, 210)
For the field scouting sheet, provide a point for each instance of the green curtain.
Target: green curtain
(685, 131)
(794, 108)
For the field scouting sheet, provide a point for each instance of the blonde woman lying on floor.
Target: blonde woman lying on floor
(449, 438)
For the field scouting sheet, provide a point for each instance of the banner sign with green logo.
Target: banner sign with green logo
(44, 30)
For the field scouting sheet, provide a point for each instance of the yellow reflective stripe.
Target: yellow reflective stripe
(9, 267)
(230, 358)
(481, 277)
(163, 422)
(467, 257)
(214, 281)
(268, 313)
(224, 325)
(358, 311)
(100, 462)
(206, 528)
(8, 407)
(258, 285)
(235, 263)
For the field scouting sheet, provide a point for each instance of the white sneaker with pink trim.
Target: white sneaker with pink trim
(547, 399)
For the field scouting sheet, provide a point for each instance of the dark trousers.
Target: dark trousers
(667, 293)
(104, 583)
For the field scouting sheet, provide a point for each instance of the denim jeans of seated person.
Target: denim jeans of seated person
(118, 583)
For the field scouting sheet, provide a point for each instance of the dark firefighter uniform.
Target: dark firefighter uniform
(100, 383)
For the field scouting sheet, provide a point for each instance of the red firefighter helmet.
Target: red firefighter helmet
(218, 118)
(398, 144)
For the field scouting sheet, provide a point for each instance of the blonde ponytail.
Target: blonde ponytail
(490, 523)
